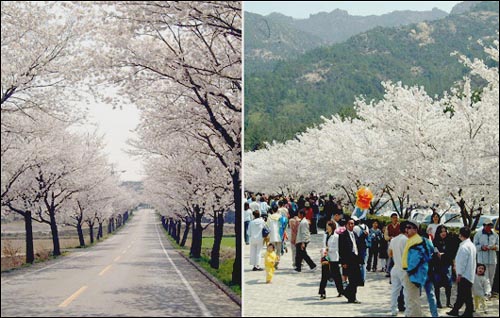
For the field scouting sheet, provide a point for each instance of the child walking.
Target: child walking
(270, 260)
(481, 288)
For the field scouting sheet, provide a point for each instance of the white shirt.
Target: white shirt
(255, 230)
(431, 229)
(332, 245)
(353, 239)
(248, 215)
(397, 245)
(254, 206)
(361, 228)
(303, 234)
(465, 261)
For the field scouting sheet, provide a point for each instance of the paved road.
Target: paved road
(134, 273)
(296, 295)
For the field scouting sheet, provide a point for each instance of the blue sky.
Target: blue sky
(302, 9)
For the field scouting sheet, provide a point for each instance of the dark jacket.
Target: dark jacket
(329, 209)
(346, 255)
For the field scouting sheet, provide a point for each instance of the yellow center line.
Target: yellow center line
(105, 270)
(73, 297)
(117, 258)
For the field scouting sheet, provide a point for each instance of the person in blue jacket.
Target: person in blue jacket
(416, 257)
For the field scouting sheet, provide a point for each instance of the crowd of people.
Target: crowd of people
(414, 259)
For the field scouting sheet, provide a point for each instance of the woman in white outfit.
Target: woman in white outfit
(255, 233)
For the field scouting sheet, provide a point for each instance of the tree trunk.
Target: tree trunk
(236, 275)
(197, 234)
(55, 233)
(28, 226)
(178, 232)
(186, 232)
(91, 232)
(99, 232)
(174, 230)
(218, 232)
(80, 234)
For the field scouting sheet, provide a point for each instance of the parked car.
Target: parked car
(458, 223)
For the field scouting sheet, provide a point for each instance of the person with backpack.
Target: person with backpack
(361, 231)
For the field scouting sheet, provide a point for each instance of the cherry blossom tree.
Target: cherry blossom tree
(180, 62)
(409, 148)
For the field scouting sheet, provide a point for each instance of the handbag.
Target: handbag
(325, 260)
(265, 232)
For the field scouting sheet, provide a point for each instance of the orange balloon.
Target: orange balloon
(363, 198)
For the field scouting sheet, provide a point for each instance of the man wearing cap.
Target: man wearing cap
(486, 242)
(415, 261)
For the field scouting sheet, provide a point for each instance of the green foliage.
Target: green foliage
(227, 241)
(284, 100)
(224, 273)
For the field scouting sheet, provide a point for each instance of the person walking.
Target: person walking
(372, 243)
(270, 262)
(361, 230)
(416, 257)
(330, 269)
(329, 208)
(294, 227)
(263, 207)
(465, 267)
(274, 225)
(391, 231)
(350, 260)
(303, 239)
(247, 219)
(396, 249)
(486, 243)
(255, 232)
(481, 289)
(445, 250)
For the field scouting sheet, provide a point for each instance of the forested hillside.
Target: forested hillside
(284, 100)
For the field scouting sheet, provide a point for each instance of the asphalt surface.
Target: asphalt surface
(134, 273)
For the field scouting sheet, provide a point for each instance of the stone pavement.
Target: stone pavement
(296, 294)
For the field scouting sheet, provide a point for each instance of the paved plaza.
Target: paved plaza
(296, 294)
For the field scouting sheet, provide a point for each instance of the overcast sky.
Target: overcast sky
(302, 9)
(116, 125)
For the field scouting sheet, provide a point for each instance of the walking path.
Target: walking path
(296, 294)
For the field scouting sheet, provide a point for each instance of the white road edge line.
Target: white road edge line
(197, 299)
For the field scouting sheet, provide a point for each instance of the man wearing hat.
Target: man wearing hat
(486, 242)
(415, 261)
